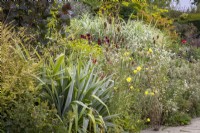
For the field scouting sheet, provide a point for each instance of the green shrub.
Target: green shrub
(178, 118)
(21, 109)
(183, 16)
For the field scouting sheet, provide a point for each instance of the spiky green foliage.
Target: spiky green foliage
(78, 93)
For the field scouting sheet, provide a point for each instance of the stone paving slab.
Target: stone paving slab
(194, 127)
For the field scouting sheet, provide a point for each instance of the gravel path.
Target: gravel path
(194, 127)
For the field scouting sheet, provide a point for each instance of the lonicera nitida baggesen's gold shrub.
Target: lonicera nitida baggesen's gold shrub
(21, 110)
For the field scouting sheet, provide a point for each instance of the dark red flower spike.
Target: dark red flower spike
(99, 41)
(183, 41)
(83, 36)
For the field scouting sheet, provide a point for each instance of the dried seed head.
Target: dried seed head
(116, 46)
(118, 29)
(102, 11)
(105, 25)
(123, 39)
(114, 14)
(117, 6)
(66, 7)
(109, 20)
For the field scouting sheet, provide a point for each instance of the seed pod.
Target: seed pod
(118, 29)
(109, 20)
(123, 39)
(105, 25)
(102, 11)
(116, 46)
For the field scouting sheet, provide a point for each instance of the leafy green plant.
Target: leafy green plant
(178, 118)
(82, 49)
(79, 93)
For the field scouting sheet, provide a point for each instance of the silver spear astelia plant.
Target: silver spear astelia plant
(79, 94)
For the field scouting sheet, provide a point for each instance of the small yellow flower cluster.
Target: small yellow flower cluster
(131, 87)
(147, 92)
(138, 69)
(149, 51)
(127, 57)
(126, 54)
(138, 121)
(148, 120)
(128, 79)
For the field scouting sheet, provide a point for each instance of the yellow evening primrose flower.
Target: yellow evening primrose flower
(146, 92)
(148, 120)
(126, 54)
(135, 71)
(150, 50)
(128, 79)
(131, 87)
(139, 68)
(152, 94)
